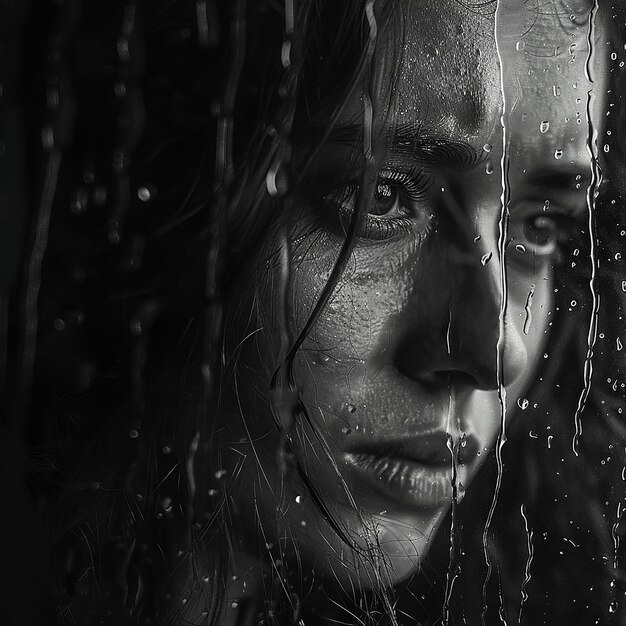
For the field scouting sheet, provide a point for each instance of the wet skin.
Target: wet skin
(431, 328)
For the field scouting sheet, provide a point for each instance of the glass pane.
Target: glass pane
(312, 312)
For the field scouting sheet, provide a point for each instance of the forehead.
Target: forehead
(437, 66)
(444, 64)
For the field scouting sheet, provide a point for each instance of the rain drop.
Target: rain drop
(299, 499)
(58, 324)
(460, 492)
(558, 153)
(618, 256)
(350, 408)
(487, 147)
(346, 431)
(143, 193)
(607, 148)
(556, 90)
(546, 205)
(133, 433)
(520, 45)
(624, 286)
(544, 127)
(522, 403)
(619, 344)
(489, 167)
(220, 474)
(486, 258)
(520, 248)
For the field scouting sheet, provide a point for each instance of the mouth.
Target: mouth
(417, 472)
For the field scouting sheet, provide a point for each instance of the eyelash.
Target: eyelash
(407, 191)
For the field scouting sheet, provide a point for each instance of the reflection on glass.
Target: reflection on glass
(343, 338)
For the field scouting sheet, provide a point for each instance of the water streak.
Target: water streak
(502, 242)
(527, 306)
(529, 561)
(592, 192)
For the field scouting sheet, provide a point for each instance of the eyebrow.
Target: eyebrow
(408, 141)
(566, 177)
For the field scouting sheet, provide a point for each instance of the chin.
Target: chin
(383, 542)
(386, 549)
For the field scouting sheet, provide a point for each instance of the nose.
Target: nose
(454, 323)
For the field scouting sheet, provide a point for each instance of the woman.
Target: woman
(355, 395)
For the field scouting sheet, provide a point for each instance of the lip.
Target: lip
(417, 471)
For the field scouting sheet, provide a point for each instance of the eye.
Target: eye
(540, 235)
(388, 202)
(399, 206)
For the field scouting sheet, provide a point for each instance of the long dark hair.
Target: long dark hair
(147, 134)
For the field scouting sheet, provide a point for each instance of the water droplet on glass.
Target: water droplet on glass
(299, 499)
(619, 344)
(346, 431)
(220, 473)
(546, 205)
(613, 607)
(573, 303)
(624, 286)
(213, 492)
(133, 434)
(544, 127)
(522, 403)
(460, 492)
(58, 324)
(350, 408)
(79, 201)
(486, 258)
(143, 193)
(618, 256)
(556, 90)
(489, 167)
(520, 45)
(487, 147)
(607, 148)
(520, 248)
(558, 154)
(614, 56)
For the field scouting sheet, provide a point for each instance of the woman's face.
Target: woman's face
(440, 319)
